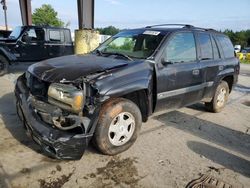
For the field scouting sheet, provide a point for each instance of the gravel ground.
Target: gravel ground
(173, 148)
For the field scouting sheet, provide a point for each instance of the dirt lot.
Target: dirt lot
(173, 148)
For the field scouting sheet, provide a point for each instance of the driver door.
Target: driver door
(180, 79)
(31, 47)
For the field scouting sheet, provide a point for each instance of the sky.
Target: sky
(217, 14)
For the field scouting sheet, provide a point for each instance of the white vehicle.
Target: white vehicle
(237, 48)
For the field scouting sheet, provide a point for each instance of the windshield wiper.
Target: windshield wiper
(99, 52)
(119, 54)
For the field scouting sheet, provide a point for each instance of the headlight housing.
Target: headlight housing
(67, 97)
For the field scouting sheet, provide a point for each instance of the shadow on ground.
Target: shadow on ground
(12, 122)
(221, 157)
(242, 88)
(223, 136)
(16, 128)
(214, 133)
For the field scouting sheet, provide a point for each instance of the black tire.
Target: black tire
(109, 113)
(215, 105)
(4, 65)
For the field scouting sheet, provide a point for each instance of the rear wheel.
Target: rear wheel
(220, 98)
(118, 126)
(4, 64)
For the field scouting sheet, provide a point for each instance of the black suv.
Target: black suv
(106, 95)
(34, 43)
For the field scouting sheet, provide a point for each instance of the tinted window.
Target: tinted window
(56, 36)
(206, 46)
(227, 46)
(181, 48)
(215, 50)
(36, 34)
(67, 36)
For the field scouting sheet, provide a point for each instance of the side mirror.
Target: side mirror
(165, 61)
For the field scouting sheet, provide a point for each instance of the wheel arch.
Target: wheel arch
(9, 57)
(141, 99)
(139, 92)
(230, 80)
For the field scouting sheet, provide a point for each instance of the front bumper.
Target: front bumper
(56, 143)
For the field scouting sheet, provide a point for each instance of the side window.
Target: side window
(36, 35)
(215, 50)
(62, 36)
(67, 36)
(181, 48)
(56, 36)
(206, 46)
(227, 46)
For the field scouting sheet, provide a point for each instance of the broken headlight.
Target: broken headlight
(67, 97)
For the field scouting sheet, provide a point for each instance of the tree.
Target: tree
(240, 37)
(110, 30)
(46, 15)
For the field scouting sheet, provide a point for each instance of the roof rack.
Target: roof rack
(183, 26)
(161, 25)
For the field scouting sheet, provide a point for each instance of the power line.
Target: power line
(3, 2)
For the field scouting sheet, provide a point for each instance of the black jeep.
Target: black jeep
(34, 43)
(106, 95)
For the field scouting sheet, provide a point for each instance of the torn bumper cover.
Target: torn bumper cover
(60, 144)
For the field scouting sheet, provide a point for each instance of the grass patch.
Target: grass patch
(245, 61)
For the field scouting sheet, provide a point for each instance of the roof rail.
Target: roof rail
(183, 26)
(161, 25)
(205, 29)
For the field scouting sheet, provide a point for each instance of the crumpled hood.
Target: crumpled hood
(72, 67)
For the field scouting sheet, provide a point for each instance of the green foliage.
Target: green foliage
(245, 61)
(240, 37)
(46, 15)
(110, 30)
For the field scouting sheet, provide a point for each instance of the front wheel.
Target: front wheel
(118, 126)
(220, 98)
(4, 64)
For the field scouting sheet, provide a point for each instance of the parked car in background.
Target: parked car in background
(237, 48)
(106, 95)
(34, 43)
(244, 54)
(4, 33)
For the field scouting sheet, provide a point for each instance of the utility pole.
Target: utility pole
(3, 2)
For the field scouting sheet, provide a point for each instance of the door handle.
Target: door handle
(221, 67)
(196, 72)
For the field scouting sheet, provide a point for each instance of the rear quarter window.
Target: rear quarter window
(56, 36)
(67, 36)
(226, 45)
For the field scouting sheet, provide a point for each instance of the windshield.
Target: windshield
(16, 33)
(132, 44)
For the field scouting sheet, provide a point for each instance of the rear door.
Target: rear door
(209, 59)
(69, 48)
(179, 81)
(56, 39)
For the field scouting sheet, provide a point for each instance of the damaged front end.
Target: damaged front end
(55, 115)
